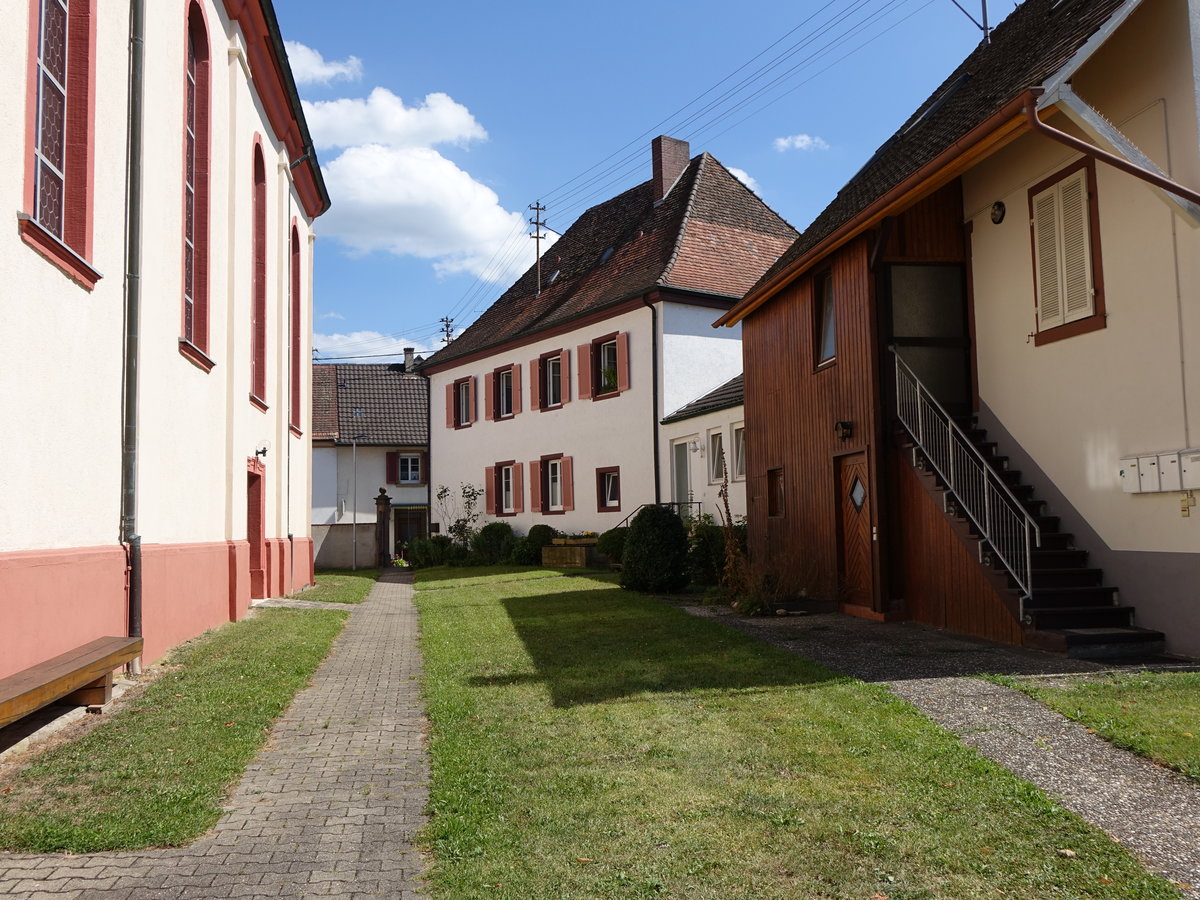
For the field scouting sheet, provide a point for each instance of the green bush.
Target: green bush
(494, 542)
(525, 553)
(431, 551)
(706, 552)
(540, 536)
(612, 543)
(656, 552)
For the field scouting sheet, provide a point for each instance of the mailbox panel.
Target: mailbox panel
(1189, 465)
(1148, 474)
(1169, 474)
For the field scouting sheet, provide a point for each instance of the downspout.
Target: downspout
(133, 292)
(292, 400)
(654, 375)
(1117, 162)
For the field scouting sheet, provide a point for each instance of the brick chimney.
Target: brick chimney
(670, 159)
(409, 353)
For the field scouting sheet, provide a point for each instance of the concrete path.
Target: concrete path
(1152, 811)
(327, 810)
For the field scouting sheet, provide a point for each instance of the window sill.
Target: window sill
(606, 395)
(461, 427)
(56, 252)
(550, 407)
(826, 364)
(295, 432)
(195, 355)
(553, 512)
(1071, 329)
(258, 403)
(605, 509)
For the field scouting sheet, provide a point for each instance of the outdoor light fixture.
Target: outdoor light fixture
(262, 448)
(997, 212)
(843, 430)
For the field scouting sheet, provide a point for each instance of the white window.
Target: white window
(716, 456)
(606, 362)
(739, 451)
(827, 327)
(554, 381)
(610, 489)
(410, 468)
(554, 484)
(1062, 251)
(507, 495)
(504, 394)
(462, 394)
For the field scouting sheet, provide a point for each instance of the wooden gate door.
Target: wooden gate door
(854, 530)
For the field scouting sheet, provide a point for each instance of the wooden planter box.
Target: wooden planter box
(574, 542)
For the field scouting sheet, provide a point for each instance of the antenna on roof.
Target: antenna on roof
(982, 26)
(538, 236)
(447, 329)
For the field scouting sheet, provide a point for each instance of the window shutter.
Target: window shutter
(623, 361)
(489, 396)
(489, 490)
(518, 487)
(393, 467)
(473, 410)
(535, 384)
(424, 457)
(516, 388)
(1076, 248)
(585, 371)
(568, 485)
(564, 370)
(535, 485)
(450, 405)
(1045, 246)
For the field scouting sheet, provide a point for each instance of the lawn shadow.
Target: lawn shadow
(592, 646)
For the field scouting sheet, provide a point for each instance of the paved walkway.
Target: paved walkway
(327, 810)
(1152, 811)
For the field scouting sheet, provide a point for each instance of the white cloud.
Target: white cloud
(368, 344)
(744, 177)
(310, 67)
(382, 118)
(331, 315)
(800, 142)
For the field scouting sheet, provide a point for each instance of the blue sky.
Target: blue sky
(438, 124)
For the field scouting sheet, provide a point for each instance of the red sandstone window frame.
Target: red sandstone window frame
(197, 156)
(539, 484)
(591, 366)
(258, 295)
(602, 481)
(65, 241)
(540, 380)
(460, 402)
(494, 489)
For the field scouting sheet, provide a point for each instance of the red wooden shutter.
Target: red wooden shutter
(424, 479)
(564, 369)
(535, 485)
(393, 468)
(568, 485)
(518, 487)
(623, 361)
(535, 384)
(472, 411)
(489, 396)
(585, 371)
(450, 405)
(489, 490)
(516, 388)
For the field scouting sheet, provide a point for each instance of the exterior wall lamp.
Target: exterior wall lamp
(843, 430)
(262, 448)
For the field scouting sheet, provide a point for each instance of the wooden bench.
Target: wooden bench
(82, 676)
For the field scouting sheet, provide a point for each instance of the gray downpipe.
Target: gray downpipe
(133, 294)
(654, 376)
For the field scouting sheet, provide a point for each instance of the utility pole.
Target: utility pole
(537, 236)
(447, 329)
(982, 26)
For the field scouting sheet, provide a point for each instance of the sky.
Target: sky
(437, 125)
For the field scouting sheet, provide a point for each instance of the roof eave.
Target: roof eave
(1003, 126)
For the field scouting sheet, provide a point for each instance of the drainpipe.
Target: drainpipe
(133, 291)
(1117, 162)
(654, 374)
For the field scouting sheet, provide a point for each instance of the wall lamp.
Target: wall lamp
(262, 448)
(843, 430)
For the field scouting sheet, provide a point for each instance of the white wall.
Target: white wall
(695, 356)
(324, 485)
(704, 482)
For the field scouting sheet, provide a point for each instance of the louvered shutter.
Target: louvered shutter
(535, 485)
(585, 371)
(489, 395)
(472, 413)
(623, 361)
(393, 467)
(535, 384)
(516, 389)
(518, 487)
(564, 370)
(1076, 248)
(489, 490)
(1045, 246)
(568, 485)
(424, 457)
(450, 405)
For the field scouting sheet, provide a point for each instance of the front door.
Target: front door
(854, 530)
(682, 490)
(408, 523)
(256, 532)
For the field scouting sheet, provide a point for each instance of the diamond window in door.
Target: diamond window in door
(858, 493)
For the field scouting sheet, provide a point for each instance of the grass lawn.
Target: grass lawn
(440, 577)
(588, 742)
(157, 771)
(1156, 714)
(341, 586)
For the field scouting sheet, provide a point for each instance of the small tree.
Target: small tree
(656, 552)
(461, 511)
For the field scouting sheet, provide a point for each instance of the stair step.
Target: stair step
(1047, 523)
(1056, 540)
(1069, 577)
(1059, 559)
(1081, 597)
(1098, 643)
(1071, 617)
(1010, 476)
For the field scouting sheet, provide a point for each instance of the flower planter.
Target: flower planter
(574, 542)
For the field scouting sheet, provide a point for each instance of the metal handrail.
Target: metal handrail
(1004, 525)
(677, 506)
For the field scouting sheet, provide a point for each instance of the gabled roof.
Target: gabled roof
(1035, 41)
(710, 234)
(382, 402)
(727, 396)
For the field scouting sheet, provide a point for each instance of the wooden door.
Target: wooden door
(256, 515)
(855, 570)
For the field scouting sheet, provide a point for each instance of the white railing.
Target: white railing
(1006, 529)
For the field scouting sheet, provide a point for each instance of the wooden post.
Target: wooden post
(383, 509)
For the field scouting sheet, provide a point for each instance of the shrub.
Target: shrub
(612, 543)
(430, 551)
(540, 536)
(656, 550)
(494, 542)
(706, 551)
(525, 553)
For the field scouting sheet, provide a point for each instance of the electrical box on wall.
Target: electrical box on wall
(1148, 474)
(1168, 472)
(1189, 469)
(1130, 482)
(1173, 470)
